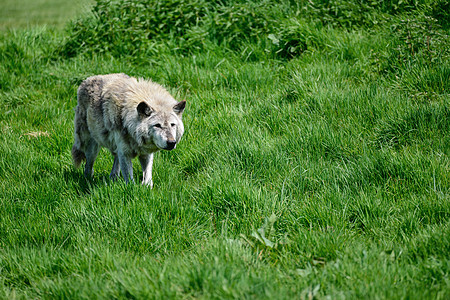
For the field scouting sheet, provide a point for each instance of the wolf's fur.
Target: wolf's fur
(130, 117)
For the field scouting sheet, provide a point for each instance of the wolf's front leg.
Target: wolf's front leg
(126, 167)
(115, 172)
(146, 164)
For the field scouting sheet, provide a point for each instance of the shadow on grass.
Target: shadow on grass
(83, 185)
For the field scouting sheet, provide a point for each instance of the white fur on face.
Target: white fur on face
(161, 129)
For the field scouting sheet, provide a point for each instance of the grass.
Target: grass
(324, 174)
(26, 13)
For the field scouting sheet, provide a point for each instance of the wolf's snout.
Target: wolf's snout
(170, 145)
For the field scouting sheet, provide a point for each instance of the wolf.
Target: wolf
(131, 117)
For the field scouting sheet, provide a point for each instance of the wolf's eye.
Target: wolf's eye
(157, 125)
(172, 124)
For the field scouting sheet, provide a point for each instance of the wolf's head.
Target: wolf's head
(161, 127)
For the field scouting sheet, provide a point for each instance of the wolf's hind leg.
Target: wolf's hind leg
(92, 150)
(146, 164)
(115, 169)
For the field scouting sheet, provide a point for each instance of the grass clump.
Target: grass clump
(124, 27)
(128, 27)
(285, 29)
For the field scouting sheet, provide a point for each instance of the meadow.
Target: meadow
(315, 162)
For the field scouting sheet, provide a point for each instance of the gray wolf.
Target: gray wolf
(130, 117)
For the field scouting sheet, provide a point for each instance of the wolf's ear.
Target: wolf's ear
(144, 110)
(179, 107)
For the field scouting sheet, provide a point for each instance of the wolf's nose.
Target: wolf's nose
(170, 145)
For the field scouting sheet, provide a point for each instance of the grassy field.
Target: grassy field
(53, 13)
(315, 162)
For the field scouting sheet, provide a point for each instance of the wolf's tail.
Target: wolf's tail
(80, 118)
(77, 155)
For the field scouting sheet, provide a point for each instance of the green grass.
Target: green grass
(321, 174)
(28, 13)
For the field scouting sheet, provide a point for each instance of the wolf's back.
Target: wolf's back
(91, 89)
